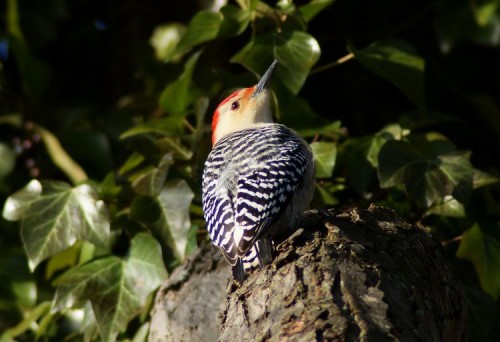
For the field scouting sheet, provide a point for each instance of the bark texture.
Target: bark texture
(356, 275)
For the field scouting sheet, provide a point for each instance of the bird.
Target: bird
(258, 179)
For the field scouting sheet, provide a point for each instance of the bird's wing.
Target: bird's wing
(262, 196)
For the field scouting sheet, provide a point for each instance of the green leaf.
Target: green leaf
(327, 199)
(484, 10)
(375, 143)
(235, 21)
(430, 170)
(133, 161)
(296, 113)
(483, 315)
(325, 154)
(178, 95)
(296, 52)
(170, 125)
(333, 130)
(362, 153)
(18, 287)
(54, 216)
(165, 39)
(167, 215)
(204, 27)
(483, 250)
(60, 157)
(151, 182)
(117, 288)
(313, 8)
(360, 172)
(18, 204)
(397, 62)
(7, 160)
(481, 178)
(449, 207)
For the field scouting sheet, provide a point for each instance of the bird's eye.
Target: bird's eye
(235, 105)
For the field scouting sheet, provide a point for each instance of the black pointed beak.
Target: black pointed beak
(265, 79)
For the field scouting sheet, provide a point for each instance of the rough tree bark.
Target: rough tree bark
(353, 275)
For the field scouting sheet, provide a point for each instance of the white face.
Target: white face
(239, 111)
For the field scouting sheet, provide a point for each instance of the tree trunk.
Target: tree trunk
(354, 275)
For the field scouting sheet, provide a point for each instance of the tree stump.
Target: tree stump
(354, 275)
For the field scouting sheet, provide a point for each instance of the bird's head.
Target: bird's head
(245, 108)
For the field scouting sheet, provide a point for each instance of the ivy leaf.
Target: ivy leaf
(483, 250)
(151, 182)
(295, 112)
(449, 206)
(204, 27)
(235, 21)
(362, 156)
(168, 126)
(167, 215)
(296, 52)
(325, 154)
(178, 95)
(313, 8)
(429, 169)
(60, 157)
(117, 288)
(54, 216)
(397, 62)
(482, 178)
(7, 160)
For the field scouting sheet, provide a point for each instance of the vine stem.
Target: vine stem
(333, 64)
(455, 239)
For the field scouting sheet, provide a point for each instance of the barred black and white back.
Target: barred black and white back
(250, 180)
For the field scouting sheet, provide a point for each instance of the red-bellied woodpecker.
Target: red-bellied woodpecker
(258, 178)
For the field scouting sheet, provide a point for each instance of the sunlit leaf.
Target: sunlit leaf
(60, 157)
(18, 203)
(481, 178)
(175, 199)
(54, 216)
(325, 154)
(108, 188)
(326, 196)
(235, 21)
(178, 95)
(170, 125)
(375, 143)
(449, 206)
(333, 129)
(361, 155)
(483, 250)
(151, 182)
(65, 259)
(172, 145)
(296, 52)
(167, 215)
(430, 170)
(165, 39)
(133, 161)
(397, 62)
(484, 9)
(313, 8)
(204, 27)
(117, 288)
(25, 325)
